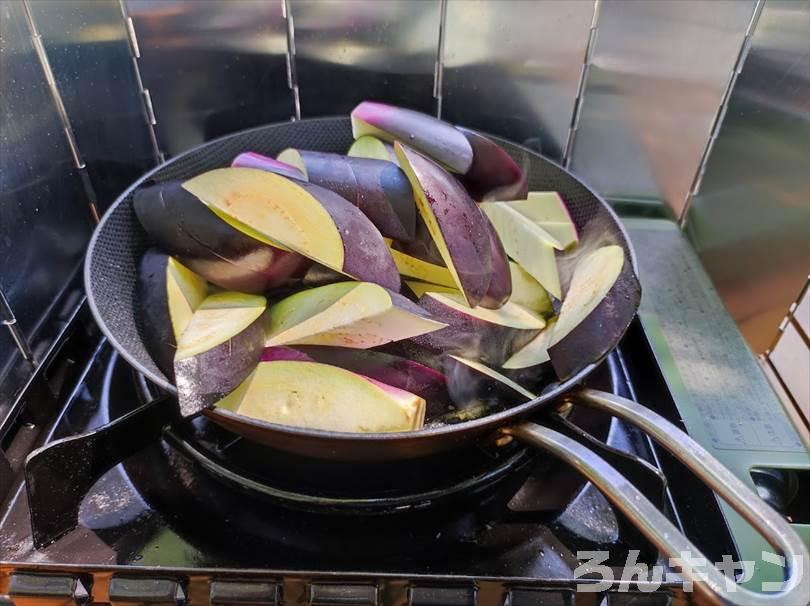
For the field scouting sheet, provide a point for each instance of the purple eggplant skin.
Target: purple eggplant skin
(470, 337)
(153, 303)
(461, 222)
(377, 187)
(500, 285)
(270, 165)
(204, 379)
(433, 137)
(397, 371)
(274, 354)
(601, 330)
(493, 175)
(366, 255)
(182, 225)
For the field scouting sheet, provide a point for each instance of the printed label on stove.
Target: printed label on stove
(702, 354)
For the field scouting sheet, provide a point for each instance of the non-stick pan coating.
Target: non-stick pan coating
(119, 241)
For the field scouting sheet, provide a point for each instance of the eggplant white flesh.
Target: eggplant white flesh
(301, 217)
(182, 225)
(547, 210)
(535, 352)
(491, 335)
(403, 373)
(372, 147)
(527, 292)
(454, 221)
(168, 293)
(526, 243)
(325, 397)
(412, 267)
(601, 301)
(420, 288)
(346, 314)
(219, 347)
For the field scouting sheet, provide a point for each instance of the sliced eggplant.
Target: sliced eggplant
(301, 217)
(547, 209)
(535, 352)
(420, 288)
(411, 267)
(180, 224)
(491, 335)
(377, 187)
(600, 304)
(372, 147)
(439, 140)
(526, 243)
(220, 346)
(346, 314)
(168, 294)
(527, 292)
(320, 396)
(456, 224)
(424, 381)
(493, 174)
(266, 163)
(500, 285)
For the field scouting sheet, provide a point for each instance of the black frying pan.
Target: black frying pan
(110, 276)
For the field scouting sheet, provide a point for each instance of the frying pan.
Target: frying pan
(110, 277)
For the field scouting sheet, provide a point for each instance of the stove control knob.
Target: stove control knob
(143, 590)
(43, 589)
(236, 593)
(443, 596)
(343, 595)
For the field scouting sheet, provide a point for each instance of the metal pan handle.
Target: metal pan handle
(795, 590)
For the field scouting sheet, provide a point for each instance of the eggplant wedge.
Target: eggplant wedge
(346, 314)
(321, 396)
(377, 187)
(300, 217)
(526, 243)
(500, 285)
(168, 294)
(455, 223)
(493, 174)
(403, 373)
(431, 136)
(600, 304)
(547, 209)
(218, 349)
(180, 224)
(490, 335)
(372, 147)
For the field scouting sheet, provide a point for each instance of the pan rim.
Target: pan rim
(489, 421)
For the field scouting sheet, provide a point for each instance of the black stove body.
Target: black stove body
(196, 514)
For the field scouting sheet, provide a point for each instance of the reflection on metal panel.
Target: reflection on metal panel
(751, 218)
(347, 52)
(211, 68)
(511, 68)
(657, 76)
(87, 48)
(44, 222)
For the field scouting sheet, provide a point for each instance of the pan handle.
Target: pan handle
(795, 591)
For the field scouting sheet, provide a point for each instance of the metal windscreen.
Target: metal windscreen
(119, 241)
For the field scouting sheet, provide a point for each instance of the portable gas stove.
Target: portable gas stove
(199, 515)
